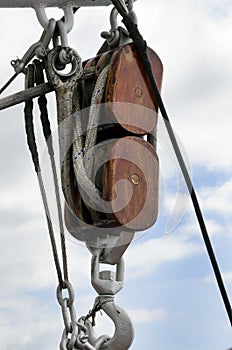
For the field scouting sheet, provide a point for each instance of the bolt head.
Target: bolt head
(138, 92)
(107, 275)
(135, 179)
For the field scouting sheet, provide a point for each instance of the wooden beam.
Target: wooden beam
(25, 95)
(52, 3)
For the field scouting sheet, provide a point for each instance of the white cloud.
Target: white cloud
(143, 259)
(214, 228)
(197, 71)
(147, 316)
(26, 258)
(217, 199)
(27, 321)
(177, 205)
(190, 228)
(227, 278)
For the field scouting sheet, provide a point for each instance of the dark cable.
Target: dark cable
(42, 101)
(29, 126)
(28, 109)
(8, 83)
(141, 47)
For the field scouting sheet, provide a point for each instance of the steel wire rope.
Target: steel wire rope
(141, 47)
(31, 141)
(42, 102)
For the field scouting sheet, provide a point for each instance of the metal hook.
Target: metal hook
(107, 285)
(124, 333)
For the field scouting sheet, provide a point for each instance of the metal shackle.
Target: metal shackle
(68, 15)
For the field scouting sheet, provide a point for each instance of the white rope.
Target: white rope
(82, 154)
(94, 117)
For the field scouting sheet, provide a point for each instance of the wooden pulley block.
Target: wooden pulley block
(127, 89)
(125, 167)
(129, 99)
(130, 183)
(126, 172)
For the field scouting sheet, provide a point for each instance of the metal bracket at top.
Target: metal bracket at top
(52, 3)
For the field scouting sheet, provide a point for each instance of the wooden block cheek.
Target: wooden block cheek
(126, 84)
(133, 165)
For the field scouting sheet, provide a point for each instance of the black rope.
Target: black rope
(3, 88)
(96, 308)
(29, 126)
(31, 140)
(141, 47)
(42, 101)
(92, 313)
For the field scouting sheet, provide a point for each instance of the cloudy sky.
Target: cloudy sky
(170, 291)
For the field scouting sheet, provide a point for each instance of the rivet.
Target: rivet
(135, 179)
(138, 92)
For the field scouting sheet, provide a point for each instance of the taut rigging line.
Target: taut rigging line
(141, 48)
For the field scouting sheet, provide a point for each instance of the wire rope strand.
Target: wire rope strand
(28, 113)
(50, 228)
(42, 101)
